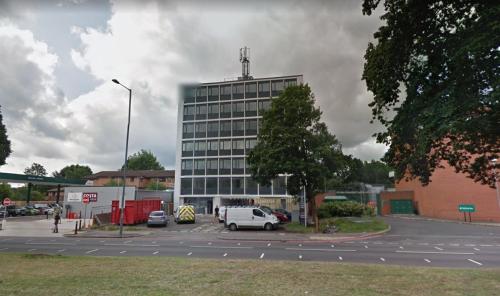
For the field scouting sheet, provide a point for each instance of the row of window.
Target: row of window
(260, 89)
(223, 128)
(234, 185)
(225, 110)
(213, 166)
(218, 147)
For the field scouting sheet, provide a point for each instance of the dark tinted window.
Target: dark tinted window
(258, 213)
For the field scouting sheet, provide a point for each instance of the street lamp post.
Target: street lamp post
(126, 152)
(494, 161)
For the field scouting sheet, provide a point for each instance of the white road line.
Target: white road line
(210, 243)
(269, 244)
(366, 247)
(438, 248)
(61, 250)
(126, 242)
(300, 245)
(401, 247)
(239, 244)
(382, 259)
(261, 256)
(427, 260)
(92, 251)
(3, 249)
(423, 244)
(63, 244)
(340, 258)
(300, 256)
(486, 245)
(154, 253)
(434, 252)
(324, 250)
(31, 250)
(476, 249)
(469, 245)
(221, 247)
(333, 246)
(131, 245)
(377, 243)
(190, 253)
(454, 245)
(473, 261)
(123, 252)
(441, 244)
(225, 254)
(102, 241)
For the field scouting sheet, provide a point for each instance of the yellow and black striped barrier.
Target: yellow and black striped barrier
(186, 214)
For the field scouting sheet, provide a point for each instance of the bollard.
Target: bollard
(80, 226)
(47, 215)
(76, 227)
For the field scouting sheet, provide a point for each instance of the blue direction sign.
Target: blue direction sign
(467, 208)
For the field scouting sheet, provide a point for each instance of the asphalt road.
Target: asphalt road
(410, 242)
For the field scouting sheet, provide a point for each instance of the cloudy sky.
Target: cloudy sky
(58, 58)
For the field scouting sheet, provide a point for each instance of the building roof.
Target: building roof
(134, 173)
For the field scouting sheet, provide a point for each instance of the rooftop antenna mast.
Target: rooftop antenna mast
(245, 63)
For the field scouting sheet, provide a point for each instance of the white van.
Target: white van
(222, 214)
(249, 217)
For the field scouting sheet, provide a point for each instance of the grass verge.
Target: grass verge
(43, 275)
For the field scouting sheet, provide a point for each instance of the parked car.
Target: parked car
(47, 210)
(12, 210)
(249, 217)
(157, 218)
(281, 217)
(30, 210)
(284, 212)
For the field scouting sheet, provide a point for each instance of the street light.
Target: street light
(126, 152)
(494, 161)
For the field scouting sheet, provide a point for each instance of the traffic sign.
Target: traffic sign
(467, 208)
(6, 201)
(85, 199)
(91, 196)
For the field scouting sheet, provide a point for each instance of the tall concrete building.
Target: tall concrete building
(218, 123)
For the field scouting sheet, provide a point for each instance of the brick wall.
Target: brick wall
(387, 196)
(440, 199)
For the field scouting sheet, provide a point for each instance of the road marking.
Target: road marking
(435, 252)
(6, 239)
(438, 248)
(61, 250)
(300, 245)
(427, 260)
(333, 246)
(261, 256)
(225, 254)
(383, 260)
(91, 251)
(340, 258)
(476, 249)
(131, 245)
(3, 249)
(239, 244)
(377, 243)
(473, 261)
(269, 244)
(300, 256)
(154, 253)
(455, 245)
(221, 247)
(31, 250)
(102, 241)
(469, 245)
(366, 247)
(181, 243)
(64, 244)
(210, 243)
(126, 242)
(401, 247)
(153, 242)
(441, 244)
(423, 244)
(190, 253)
(123, 252)
(486, 245)
(324, 250)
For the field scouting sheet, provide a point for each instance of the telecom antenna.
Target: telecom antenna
(245, 63)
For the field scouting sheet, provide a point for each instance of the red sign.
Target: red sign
(6, 201)
(85, 199)
(91, 197)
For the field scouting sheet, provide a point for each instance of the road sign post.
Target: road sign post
(467, 208)
(85, 200)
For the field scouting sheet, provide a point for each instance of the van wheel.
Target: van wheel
(268, 226)
(233, 227)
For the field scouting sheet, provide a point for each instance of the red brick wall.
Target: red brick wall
(387, 196)
(440, 199)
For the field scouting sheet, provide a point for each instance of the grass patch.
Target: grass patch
(343, 225)
(182, 276)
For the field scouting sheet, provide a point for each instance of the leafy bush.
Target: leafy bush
(344, 209)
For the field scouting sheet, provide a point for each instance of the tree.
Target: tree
(74, 171)
(435, 66)
(4, 142)
(143, 160)
(155, 185)
(293, 141)
(35, 169)
(5, 191)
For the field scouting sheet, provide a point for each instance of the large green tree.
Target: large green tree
(434, 72)
(4, 142)
(143, 160)
(35, 169)
(293, 141)
(74, 171)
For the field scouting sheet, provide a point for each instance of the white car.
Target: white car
(249, 217)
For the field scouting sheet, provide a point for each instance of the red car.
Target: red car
(281, 217)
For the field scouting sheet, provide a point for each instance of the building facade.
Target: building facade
(218, 125)
(140, 179)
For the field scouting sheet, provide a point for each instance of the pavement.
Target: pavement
(37, 226)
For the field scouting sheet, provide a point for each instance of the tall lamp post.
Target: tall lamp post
(126, 152)
(494, 161)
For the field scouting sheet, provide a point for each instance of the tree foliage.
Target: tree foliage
(4, 142)
(74, 171)
(435, 65)
(293, 141)
(143, 160)
(5, 191)
(35, 169)
(155, 185)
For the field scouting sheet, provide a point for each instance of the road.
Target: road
(410, 243)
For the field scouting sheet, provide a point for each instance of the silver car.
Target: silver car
(157, 218)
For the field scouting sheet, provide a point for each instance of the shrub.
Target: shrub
(344, 209)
